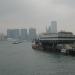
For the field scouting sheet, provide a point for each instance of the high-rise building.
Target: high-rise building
(13, 33)
(23, 34)
(32, 34)
(10, 33)
(48, 29)
(2, 36)
(53, 27)
(16, 34)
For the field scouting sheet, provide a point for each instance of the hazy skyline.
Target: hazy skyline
(37, 14)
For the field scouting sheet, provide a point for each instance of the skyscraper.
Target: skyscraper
(16, 33)
(24, 34)
(48, 29)
(13, 33)
(10, 33)
(2, 36)
(53, 27)
(32, 34)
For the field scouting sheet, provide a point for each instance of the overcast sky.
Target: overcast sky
(37, 14)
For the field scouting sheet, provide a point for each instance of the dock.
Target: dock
(62, 42)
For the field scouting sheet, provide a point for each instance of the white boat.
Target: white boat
(16, 42)
(63, 50)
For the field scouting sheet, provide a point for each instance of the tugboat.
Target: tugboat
(36, 44)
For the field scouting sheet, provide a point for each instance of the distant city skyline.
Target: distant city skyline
(40, 29)
(22, 34)
(37, 14)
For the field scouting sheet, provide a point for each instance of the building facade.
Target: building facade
(53, 27)
(2, 37)
(23, 34)
(13, 33)
(49, 29)
(32, 34)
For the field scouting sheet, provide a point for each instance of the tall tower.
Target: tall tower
(32, 34)
(49, 29)
(53, 27)
(24, 34)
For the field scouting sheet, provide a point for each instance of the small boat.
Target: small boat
(37, 45)
(63, 50)
(34, 45)
(15, 43)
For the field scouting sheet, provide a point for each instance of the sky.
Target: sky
(37, 14)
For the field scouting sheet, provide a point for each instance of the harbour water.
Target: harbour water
(21, 59)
